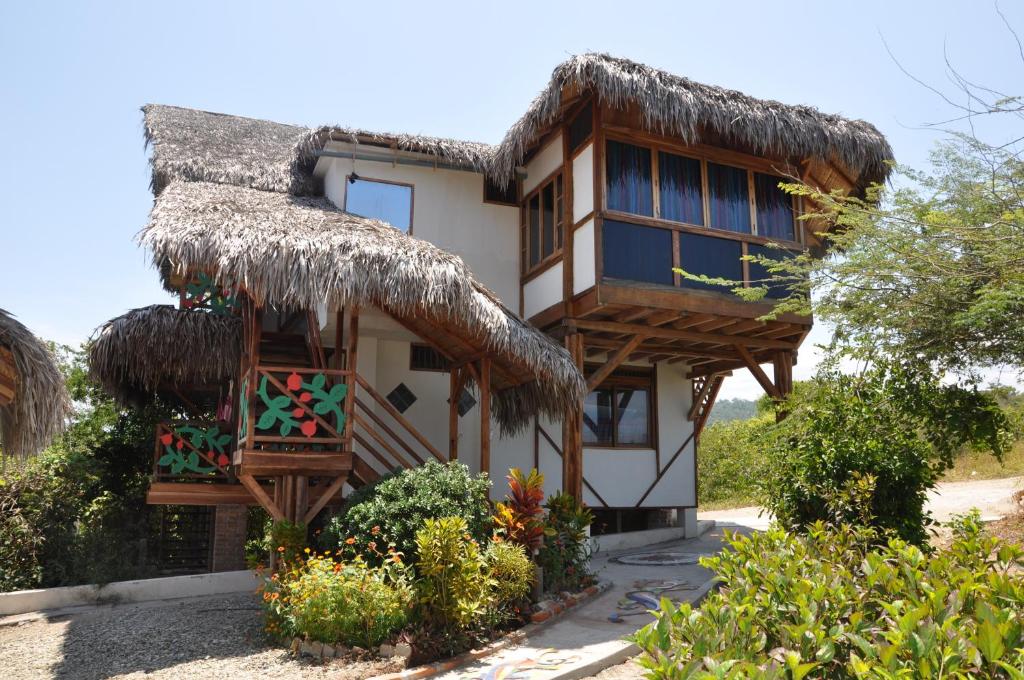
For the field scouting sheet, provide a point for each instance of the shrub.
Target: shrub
(393, 510)
(453, 585)
(336, 602)
(521, 518)
(289, 541)
(565, 555)
(511, 572)
(842, 603)
(896, 423)
(730, 461)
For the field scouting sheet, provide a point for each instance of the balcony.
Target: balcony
(192, 451)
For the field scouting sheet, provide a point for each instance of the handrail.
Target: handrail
(393, 412)
(174, 442)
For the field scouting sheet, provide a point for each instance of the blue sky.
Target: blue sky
(74, 177)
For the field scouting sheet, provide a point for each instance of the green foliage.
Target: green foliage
(896, 424)
(726, 410)
(336, 602)
(511, 571)
(565, 555)
(731, 460)
(841, 603)
(77, 512)
(289, 541)
(454, 586)
(393, 510)
(521, 518)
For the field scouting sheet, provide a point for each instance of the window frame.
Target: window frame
(412, 195)
(412, 367)
(704, 156)
(617, 381)
(526, 270)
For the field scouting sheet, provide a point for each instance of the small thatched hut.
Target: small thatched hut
(34, 403)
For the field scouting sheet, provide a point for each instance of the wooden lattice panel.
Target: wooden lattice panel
(8, 377)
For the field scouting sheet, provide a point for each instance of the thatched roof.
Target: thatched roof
(201, 146)
(212, 147)
(293, 251)
(150, 349)
(41, 403)
(679, 107)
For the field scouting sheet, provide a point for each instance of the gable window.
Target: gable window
(543, 224)
(774, 208)
(502, 195)
(618, 413)
(728, 198)
(390, 202)
(426, 358)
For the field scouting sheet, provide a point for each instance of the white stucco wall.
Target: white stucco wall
(542, 291)
(584, 273)
(583, 183)
(448, 211)
(545, 162)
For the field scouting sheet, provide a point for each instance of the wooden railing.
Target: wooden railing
(192, 451)
(286, 409)
(389, 437)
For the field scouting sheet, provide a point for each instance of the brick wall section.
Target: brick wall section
(229, 523)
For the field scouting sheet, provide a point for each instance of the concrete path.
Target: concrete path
(584, 641)
(993, 497)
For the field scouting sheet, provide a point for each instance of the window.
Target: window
(618, 412)
(636, 253)
(681, 196)
(759, 273)
(543, 224)
(711, 257)
(494, 193)
(629, 186)
(465, 402)
(426, 358)
(728, 198)
(380, 200)
(774, 208)
(695, 191)
(401, 398)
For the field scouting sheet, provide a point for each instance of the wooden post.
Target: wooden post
(572, 429)
(485, 415)
(351, 359)
(301, 497)
(783, 363)
(453, 414)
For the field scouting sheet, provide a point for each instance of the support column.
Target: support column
(229, 524)
(783, 363)
(351, 364)
(453, 413)
(572, 429)
(485, 415)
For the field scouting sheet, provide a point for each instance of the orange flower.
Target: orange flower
(350, 540)
(396, 559)
(375, 530)
(280, 548)
(372, 545)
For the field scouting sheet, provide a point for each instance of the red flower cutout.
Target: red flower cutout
(309, 428)
(305, 396)
(180, 444)
(298, 412)
(294, 382)
(166, 439)
(223, 460)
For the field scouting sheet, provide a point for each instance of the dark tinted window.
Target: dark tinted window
(401, 398)
(728, 198)
(497, 194)
(774, 208)
(759, 274)
(680, 188)
(637, 253)
(709, 256)
(629, 179)
(426, 358)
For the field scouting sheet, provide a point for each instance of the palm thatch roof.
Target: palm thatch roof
(150, 349)
(41, 403)
(295, 251)
(459, 153)
(680, 107)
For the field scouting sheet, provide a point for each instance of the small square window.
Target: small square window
(401, 398)
(380, 200)
(426, 358)
(465, 403)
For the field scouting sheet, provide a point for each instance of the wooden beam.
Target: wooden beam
(254, 488)
(351, 361)
(485, 415)
(675, 334)
(272, 463)
(332, 490)
(572, 426)
(759, 374)
(613, 362)
(702, 420)
(698, 399)
(453, 413)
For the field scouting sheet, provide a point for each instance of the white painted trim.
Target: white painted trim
(168, 588)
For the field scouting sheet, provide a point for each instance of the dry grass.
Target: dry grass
(975, 465)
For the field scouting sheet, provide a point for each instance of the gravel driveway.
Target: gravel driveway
(212, 637)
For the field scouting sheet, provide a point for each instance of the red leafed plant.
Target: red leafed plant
(520, 519)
